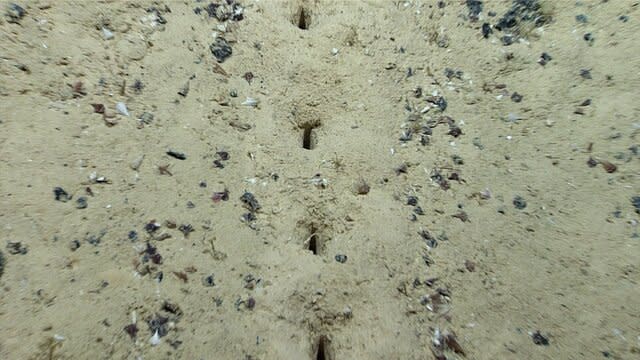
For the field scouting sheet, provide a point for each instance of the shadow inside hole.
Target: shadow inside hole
(322, 352)
(307, 137)
(314, 244)
(303, 19)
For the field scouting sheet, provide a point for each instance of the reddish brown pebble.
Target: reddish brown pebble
(98, 108)
(132, 330)
(470, 265)
(608, 167)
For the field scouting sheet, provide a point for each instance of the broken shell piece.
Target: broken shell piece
(122, 108)
(251, 102)
(107, 34)
(155, 339)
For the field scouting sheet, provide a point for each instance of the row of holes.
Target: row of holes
(302, 21)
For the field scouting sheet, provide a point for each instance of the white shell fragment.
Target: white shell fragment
(107, 34)
(122, 109)
(155, 339)
(251, 102)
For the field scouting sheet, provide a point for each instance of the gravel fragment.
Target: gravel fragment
(208, 281)
(15, 13)
(61, 195)
(341, 258)
(17, 248)
(519, 202)
(539, 339)
(220, 49)
(250, 202)
(81, 202)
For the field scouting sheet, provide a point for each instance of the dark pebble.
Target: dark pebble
(218, 164)
(588, 37)
(186, 229)
(17, 248)
(519, 202)
(61, 195)
(133, 235)
(412, 200)
(486, 30)
(159, 324)
(586, 74)
(131, 330)
(203, 184)
(341, 258)
(592, 162)
(81, 202)
(544, 59)
(418, 210)
(539, 339)
(251, 303)
(586, 102)
(515, 97)
(75, 245)
(223, 155)
(582, 18)
(220, 49)
(208, 281)
(249, 217)
(636, 203)
(177, 155)
(3, 262)
(151, 227)
(475, 8)
(507, 39)
(15, 13)
(190, 205)
(623, 18)
(250, 201)
(457, 160)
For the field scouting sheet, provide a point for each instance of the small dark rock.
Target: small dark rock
(15, 13)
(220, 49)
(17, 248)
(341, 258)
(81, 202)
(636, 203)
(218, 164)
(588, 37)
(61, 195)
(539, 339)
(132, 330)
(250, 201)
(3, 262)
(475, 8)
(586, 74)
(544, 59)
(418, 210)
(412, 200)
(592, 162)
(176, 154)
(582, 18)
(75, 245)
(133, 235)
(203, 184)
(159, 324)
(623, 18)
(519, 202)
(190, 204)
(152, 227)
(507, 39)
(223, 155)
(208, 281)
(186, 229)
(249, 217)
(486, 30)
(515, 97)
(250, 303)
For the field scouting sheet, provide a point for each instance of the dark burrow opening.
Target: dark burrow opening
(322, 349)
(302, 19)
(307, 137)
(314, 240)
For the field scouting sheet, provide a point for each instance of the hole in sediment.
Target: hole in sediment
(314, 241)
(322, 349)
(307, 137)
(302, 19)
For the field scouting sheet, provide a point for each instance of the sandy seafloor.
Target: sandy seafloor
(499, 226)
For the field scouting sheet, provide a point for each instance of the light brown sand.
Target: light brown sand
(566, 265)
